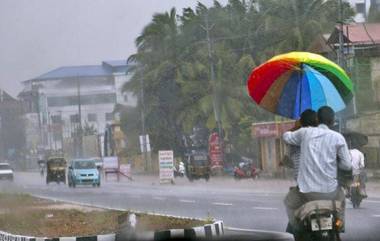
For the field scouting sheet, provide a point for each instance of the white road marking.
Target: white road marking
(281, 235)
(187, 201)
(376, 215)
(159, 198)
(265, 208)
(371, 201)
(222, 204)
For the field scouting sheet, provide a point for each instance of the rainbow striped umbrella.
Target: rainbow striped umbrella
(290, 83)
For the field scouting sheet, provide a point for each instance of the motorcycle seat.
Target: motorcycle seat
(311, 207)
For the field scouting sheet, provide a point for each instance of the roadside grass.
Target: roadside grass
(23, 214)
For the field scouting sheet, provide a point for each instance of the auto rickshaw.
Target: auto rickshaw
(197, 166)
(56, 170)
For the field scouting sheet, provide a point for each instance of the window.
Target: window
(109, 116)
(360, 8)
(84, 165)
(84, 99)
(74, 118)
(56, 119)
(91, 117)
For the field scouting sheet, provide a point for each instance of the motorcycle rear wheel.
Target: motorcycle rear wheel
(355, 197)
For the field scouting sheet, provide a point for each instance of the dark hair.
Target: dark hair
(326, 115)
(309, 118)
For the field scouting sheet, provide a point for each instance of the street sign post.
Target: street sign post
(166, 164)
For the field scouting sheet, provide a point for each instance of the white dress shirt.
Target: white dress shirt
(357, 161)
(320, 149)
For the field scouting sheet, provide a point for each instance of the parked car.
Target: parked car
(83, 172)
(6, 172)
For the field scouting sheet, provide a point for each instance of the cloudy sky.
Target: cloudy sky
(37, 36)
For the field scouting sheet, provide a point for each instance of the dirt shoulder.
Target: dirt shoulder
(23, 214)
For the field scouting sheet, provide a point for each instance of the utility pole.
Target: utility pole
(341, 60)
(79, 131)
(35, 89)
(215, 98)
(143, 139)
(61, 127)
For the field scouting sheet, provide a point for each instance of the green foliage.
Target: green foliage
(173, 64)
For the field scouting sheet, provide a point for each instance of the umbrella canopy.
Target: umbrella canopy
(290, 83)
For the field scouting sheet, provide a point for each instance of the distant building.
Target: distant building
(362, 8)
(362, 62)
(54, 99)
(12, 135)
(270, 146)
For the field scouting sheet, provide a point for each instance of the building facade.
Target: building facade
(271, 147)
(74, 100)
(362, 63)
(361, 8)
(12, 132)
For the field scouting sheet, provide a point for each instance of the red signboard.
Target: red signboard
(271, 129)
(215, 151)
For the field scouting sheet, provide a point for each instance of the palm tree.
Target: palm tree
(298, 22)
(156, 66)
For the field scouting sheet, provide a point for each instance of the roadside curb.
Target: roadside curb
(4, 236)
(208, 231)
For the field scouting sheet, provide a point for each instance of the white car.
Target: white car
(6, 172)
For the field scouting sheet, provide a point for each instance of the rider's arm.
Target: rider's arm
(344, 155)
(293, 137)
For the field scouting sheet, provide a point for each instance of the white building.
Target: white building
(362, 7)
(68, 94)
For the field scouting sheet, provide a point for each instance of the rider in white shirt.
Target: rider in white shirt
(317, 174)
(358, 165)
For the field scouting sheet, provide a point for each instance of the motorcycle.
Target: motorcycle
(181, 170)
(355, 193)
(319, 221)
(42, 165)
(245, 170)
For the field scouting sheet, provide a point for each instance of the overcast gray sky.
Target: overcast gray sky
(37, 36)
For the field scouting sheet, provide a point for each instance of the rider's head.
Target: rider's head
(309, 118)
(326, 116)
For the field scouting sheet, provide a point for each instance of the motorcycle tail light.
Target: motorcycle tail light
(338, 224)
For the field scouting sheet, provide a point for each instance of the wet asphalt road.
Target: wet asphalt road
(245, 204)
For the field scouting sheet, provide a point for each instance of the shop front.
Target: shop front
(271, 147)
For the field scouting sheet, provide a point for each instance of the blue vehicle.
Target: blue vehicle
(83, 172)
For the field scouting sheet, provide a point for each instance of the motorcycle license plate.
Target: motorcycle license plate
(326, 224)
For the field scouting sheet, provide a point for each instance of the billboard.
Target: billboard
(110, 162)
(271, 129)
(166, 165)
(215, 151)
